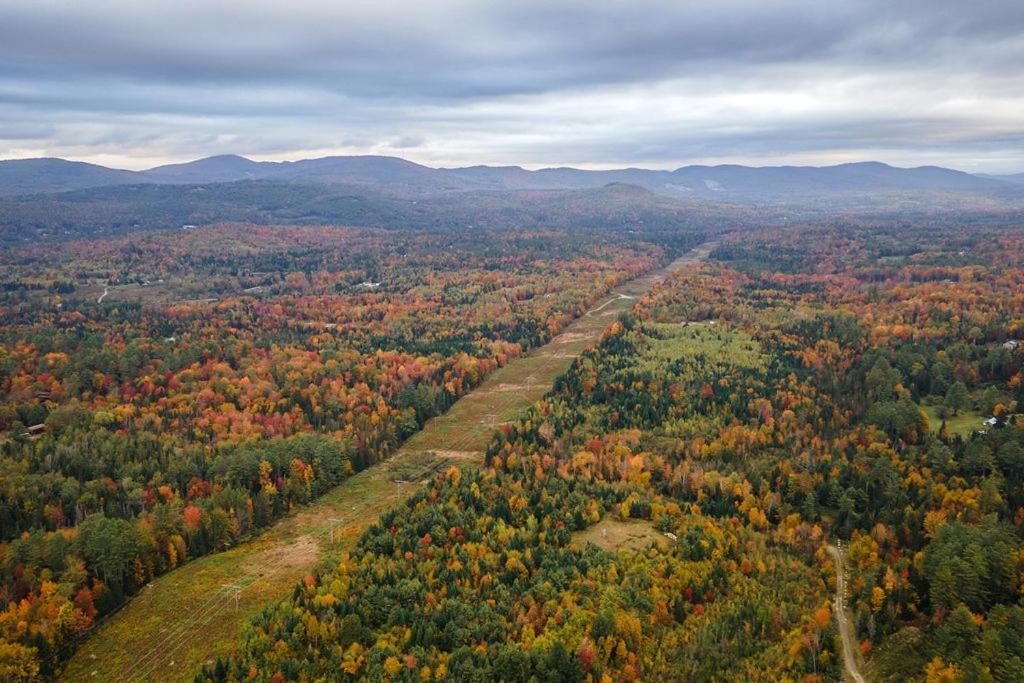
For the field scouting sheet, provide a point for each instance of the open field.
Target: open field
(196, 612)
(613, 534)
(716, 343)
(963, 424)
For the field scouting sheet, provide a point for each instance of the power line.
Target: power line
(219, 598)
(174, 640)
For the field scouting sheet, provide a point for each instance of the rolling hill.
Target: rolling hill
(31, 176)
(53, 198)
(118, 209)
(393, 175)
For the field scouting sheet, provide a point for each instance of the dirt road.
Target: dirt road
(842, 620)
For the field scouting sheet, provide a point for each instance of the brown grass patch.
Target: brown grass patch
(614, 534)
(570, 337)
(284, 558)
(459, 455)
(508, 386)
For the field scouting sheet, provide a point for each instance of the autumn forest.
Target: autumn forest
(791, 409)
(533, 341)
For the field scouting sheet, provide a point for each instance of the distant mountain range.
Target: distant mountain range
(1014, 178)
(58, 199)
(729, 183)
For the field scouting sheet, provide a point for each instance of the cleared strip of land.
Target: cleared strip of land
(851, 669)
(195, 613)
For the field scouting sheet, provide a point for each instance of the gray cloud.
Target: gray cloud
(531, 82)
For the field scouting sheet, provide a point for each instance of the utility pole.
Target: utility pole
(236, 589)
(335, 521)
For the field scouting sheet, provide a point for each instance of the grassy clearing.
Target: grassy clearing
(613, 534)
(965, 423)
(716, 343)
(188, 617)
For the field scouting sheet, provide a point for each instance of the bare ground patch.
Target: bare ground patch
(459, 455)
(570, 337)
(285, 558)
(562, 354)
(507, 386)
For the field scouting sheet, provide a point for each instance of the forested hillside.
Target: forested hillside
(394, 193)
(118, 210)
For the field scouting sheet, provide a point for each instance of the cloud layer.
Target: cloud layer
(530, 82)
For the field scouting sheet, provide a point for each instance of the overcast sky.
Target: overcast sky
(598, 83)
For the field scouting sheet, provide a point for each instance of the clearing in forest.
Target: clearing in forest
(963, 423)
(195, 613)
(716, 343)
(615, 534)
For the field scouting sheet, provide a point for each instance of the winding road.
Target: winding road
(845, 630)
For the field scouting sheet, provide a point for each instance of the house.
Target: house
(35, 430)
(1012, 345)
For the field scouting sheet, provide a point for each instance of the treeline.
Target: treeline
(57, 584)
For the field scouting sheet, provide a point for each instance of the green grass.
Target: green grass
(715, 342)
(965, 423)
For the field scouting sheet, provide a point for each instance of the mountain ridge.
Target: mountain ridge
(733, 181)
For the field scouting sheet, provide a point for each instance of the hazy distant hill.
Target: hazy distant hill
(392, 175)
(29, 176)
(116, 209)
(1017, 178)
(745, 183)
(358, 170)
(41, 198)
(218, 169)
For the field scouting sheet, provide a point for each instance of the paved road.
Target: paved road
(845, 630)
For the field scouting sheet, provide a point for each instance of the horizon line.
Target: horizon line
(492, 165)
